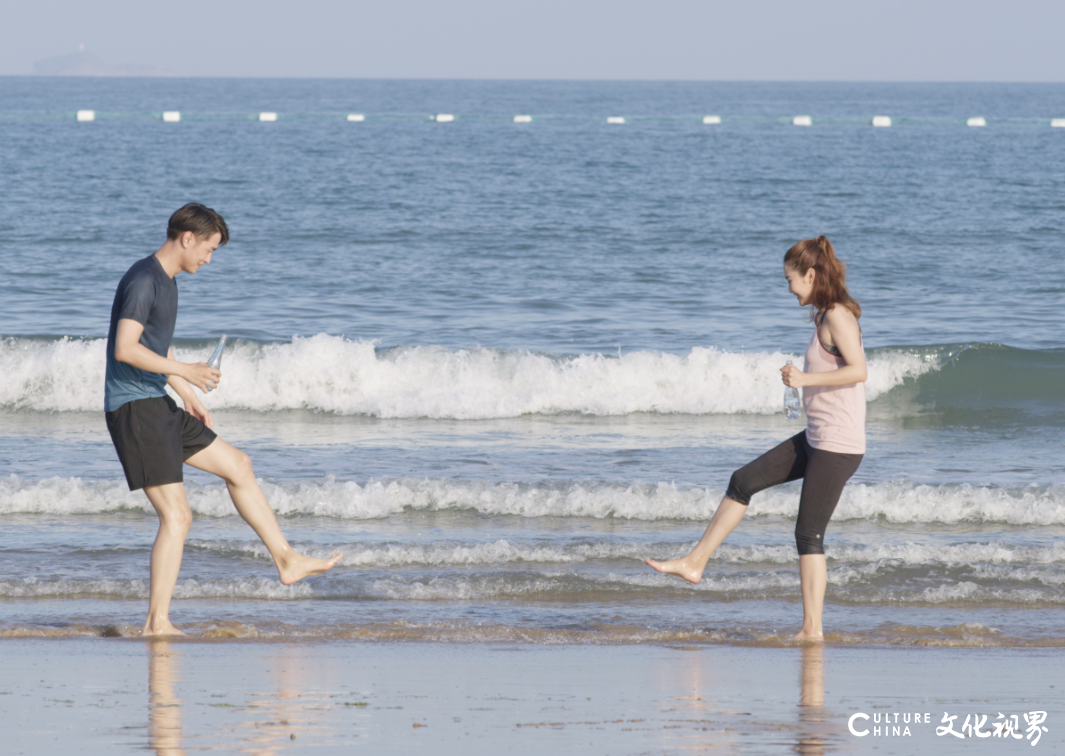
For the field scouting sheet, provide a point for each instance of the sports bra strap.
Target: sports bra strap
(833, 350)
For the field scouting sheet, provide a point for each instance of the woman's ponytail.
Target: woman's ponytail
(830, 281)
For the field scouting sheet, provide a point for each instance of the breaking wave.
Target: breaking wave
(895, 502)
(333, 374)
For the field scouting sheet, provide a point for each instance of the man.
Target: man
(153, 437)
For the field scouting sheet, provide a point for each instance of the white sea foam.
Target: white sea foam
(332, 374)
(995, 559)
(247, 588)
(67, 496)
(462, 588)
(893, 502)
(749, 585)
(52, 376)
(392, 555)
(1048, 575)
(555, 585)
(950, 504)
(968, 593)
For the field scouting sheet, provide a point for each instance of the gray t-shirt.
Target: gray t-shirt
(149, 296)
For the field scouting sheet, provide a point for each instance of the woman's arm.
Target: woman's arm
(842, 329)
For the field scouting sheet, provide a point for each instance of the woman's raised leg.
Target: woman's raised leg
(690, 567)
(786, 461)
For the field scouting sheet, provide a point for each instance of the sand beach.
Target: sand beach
(107, 696)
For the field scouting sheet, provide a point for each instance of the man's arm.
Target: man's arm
(180, 375)
(193, 405)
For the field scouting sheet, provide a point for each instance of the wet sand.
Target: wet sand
(108, 696)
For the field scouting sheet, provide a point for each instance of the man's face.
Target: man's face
(196, 252)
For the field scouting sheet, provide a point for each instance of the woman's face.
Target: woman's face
(802, 286)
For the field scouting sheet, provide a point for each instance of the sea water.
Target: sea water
(497, 364)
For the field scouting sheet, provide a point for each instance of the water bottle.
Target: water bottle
(216, 356)
(792, 405)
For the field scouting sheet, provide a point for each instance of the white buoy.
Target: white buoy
(172, 116)
(444, 118)
(356, 117)
(711, 119)
(615, 119)
(268, 116)
(881, 122)
(1057, 123)
(523, 119)
(978, 121)
(86, 115)
(802, 121)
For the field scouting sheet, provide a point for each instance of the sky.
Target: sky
(767, 40)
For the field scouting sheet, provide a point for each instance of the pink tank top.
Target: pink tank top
(835, 415)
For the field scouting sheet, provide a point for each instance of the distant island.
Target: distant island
(87, 64)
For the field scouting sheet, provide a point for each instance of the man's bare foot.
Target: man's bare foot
(678, 567)
(303, 566)
(159, 628)
(808, 636)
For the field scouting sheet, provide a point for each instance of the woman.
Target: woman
(828, 452)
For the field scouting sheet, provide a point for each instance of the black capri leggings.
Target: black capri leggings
(824, 474)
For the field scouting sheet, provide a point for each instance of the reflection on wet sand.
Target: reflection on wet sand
(812, 720)
(164, 707)
(293, 710)
(704, 718)
(269, 720)
(265, 699)
(702, 723)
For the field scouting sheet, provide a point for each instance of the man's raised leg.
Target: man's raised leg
(234, 467)
(175, 517)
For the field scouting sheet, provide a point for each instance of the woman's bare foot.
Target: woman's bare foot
(678, 567)
(808, 636)
(158, 628)
(303, 566)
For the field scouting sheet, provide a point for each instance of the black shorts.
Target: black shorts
(823, 474)
(153, 438)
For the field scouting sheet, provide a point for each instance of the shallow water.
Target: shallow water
(497, 364)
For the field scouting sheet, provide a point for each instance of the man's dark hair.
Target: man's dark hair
(202, 221)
